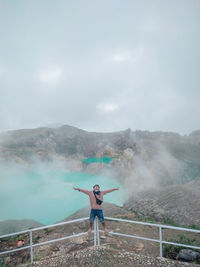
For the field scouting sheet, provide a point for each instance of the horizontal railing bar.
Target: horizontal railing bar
(44, 227)
(108, 218)
(154, 240)
(43, 243)
(16, 233)
(153, 224)
(58, 239)
(14, 250)
(133, 236)
(180, 245)
(59, 224)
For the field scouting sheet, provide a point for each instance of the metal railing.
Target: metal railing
(160, 227)
(30, 231)
(96, 232)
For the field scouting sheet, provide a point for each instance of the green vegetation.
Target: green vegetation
(37, 259)
(2, 263)
(36, 239)
(9, 238)
(167, 220)
(13, 237)
(193, 226)
(171, 251)
(47, 230)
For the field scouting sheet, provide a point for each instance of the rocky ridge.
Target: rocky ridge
(168, 157)
(178, 203)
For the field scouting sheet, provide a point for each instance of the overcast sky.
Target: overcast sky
(100, 65)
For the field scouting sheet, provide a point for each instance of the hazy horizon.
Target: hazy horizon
(53, 126)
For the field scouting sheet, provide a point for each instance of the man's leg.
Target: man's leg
(92, 215)
(105, 229)
(90, 229)
(101, 218)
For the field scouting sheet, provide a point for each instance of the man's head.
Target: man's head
(96, 187)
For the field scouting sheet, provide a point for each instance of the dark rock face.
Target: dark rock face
(45, 143)
(188, 255)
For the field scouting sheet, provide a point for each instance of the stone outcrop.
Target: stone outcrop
(188, 255)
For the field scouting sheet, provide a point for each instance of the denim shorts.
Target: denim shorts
(98, 213)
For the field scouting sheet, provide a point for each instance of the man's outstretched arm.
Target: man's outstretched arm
(109, 190)
(82, 190)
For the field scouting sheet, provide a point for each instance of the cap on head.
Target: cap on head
(95, 186)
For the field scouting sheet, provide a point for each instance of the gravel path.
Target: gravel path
(93, 257)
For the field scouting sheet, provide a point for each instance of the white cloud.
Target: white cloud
(107, 107)
(134, 56)
(51, 75)
(151, 25)
(121, 57)
(2, 70)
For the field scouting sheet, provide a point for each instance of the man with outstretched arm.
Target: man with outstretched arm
(96, 199)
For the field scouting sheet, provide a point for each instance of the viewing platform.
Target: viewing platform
(81, 249)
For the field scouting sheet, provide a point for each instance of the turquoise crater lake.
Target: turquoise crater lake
(106, 160)
(47, 196)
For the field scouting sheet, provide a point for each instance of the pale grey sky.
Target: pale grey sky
(100, 65)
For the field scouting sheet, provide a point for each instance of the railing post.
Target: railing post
(97, 236)
(160, 238)
(98, 239)
(95, 231)
(31, 246)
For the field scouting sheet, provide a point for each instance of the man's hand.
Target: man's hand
(75, 188)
